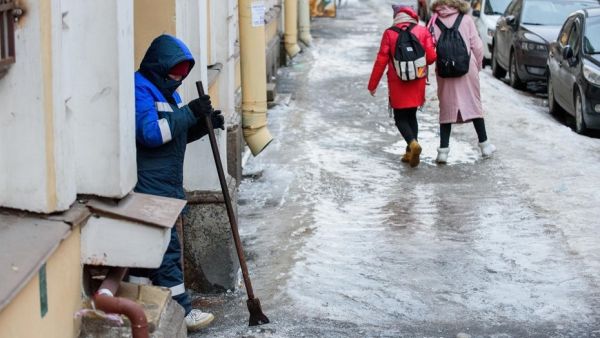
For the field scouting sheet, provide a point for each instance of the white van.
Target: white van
(486, 13)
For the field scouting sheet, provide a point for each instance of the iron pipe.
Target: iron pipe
(104, 300)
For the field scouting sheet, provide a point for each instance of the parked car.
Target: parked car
(523, 32)
(574, 69)
(486, 14)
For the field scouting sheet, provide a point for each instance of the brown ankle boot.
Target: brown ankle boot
(415, 153)
(406, 156)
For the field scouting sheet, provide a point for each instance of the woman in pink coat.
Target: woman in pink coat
(459, 97)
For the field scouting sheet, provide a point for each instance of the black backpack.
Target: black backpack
(409, 55)
(453, 57)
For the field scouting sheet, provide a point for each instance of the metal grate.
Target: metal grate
(7, 33)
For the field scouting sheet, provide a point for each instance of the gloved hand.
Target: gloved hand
(217, 119)
(201, 107)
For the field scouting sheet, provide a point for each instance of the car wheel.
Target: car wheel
(580, 127)
(513, 75)
(497, 70)
(553, 106)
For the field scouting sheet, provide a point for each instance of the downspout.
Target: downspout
(104, 300)
(291, 28)
(304, 22)
(254, 78)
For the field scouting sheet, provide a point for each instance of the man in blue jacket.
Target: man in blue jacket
(164, 126)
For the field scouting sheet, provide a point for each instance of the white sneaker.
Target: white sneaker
(196, 320)
(442, 156)
(487, 149)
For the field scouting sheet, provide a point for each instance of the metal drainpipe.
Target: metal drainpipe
(254, 80)
(291, 27)
(304, 22)
(104, 300)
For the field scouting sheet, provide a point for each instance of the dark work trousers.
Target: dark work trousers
(406, 121)
(169, 274)
(446, 128)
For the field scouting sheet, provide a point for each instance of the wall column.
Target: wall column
(291, 27)
(254, 79)
(304, 22)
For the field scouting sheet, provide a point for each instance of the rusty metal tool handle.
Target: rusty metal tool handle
(225, 190)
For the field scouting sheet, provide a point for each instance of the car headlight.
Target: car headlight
(532, 46)
(592, 74)
(491, 32)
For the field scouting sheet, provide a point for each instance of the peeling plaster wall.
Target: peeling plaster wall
(199, 170)
(34, 143)
(99, 96)
(67, 124)
(226, 25)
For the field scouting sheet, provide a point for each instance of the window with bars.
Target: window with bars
(7, 33)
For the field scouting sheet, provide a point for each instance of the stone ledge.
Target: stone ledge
(27, 241)
(211, 262)
(209, 197)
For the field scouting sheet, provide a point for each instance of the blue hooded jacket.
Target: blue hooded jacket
(163, 124)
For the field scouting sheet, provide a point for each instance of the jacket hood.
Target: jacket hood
(405, 9)
(460, 5)
(164, 53)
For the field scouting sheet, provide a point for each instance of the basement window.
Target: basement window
(7, 33)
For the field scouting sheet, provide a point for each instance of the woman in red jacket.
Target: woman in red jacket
(405, 95)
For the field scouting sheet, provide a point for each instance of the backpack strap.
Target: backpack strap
(458, 21)
(443, 27)
(396, 29)
(399, 30)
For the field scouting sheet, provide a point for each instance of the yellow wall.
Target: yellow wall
(238, 73)
(22, 317)
(151, 19)
(271, 30)
(209, 45)
(213, 91)
(46, 55)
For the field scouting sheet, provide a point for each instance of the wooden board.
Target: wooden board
(144, 208)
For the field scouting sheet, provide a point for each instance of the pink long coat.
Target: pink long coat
(461, 93)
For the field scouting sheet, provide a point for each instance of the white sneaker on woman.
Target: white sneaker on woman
(487, 149)
(442, 156)
(196, 320)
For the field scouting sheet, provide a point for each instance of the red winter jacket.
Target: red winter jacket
(403, 94)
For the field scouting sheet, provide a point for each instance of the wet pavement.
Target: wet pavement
(344, 240)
